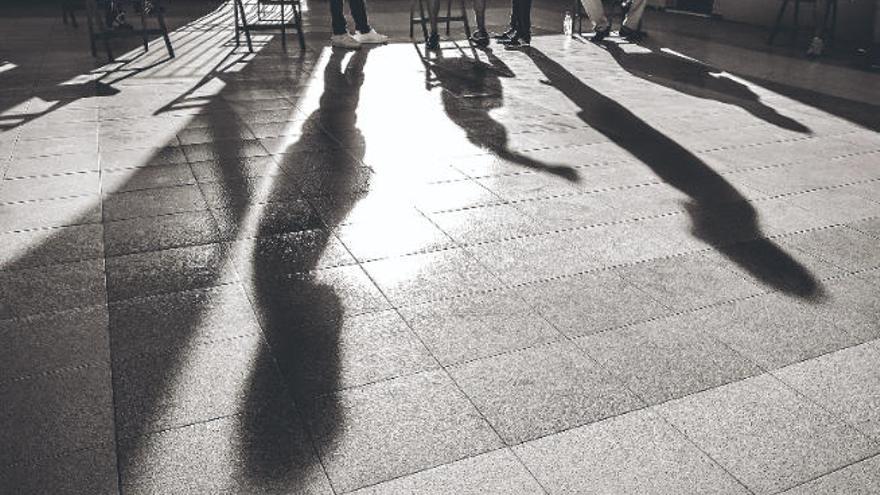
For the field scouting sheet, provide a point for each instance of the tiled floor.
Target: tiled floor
(573, 269)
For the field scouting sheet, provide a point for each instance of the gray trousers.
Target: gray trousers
(596, 13)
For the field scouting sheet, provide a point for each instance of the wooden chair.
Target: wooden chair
(423, 19)
(98, 30)
(829, 19)
(282, 23)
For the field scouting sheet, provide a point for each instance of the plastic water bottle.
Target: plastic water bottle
(568, 24)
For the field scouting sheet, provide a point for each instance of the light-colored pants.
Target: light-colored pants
(596, 13)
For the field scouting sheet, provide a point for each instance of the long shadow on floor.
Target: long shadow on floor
(695, 78)
(472, 89)
(720, 215)
(301, 315)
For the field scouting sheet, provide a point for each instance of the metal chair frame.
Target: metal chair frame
(281, 23)
(423, 20)
(94, 20)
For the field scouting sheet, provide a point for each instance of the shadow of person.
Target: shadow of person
(471, 89)
(720, 215)
(302, 314)
(695, 78)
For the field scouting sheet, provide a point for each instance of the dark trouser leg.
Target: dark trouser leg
(480, 14)
(524, 19)
(337, 17)
(359, 13)
(514, 15)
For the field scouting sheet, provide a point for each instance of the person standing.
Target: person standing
(601, 26)
(521, 20)
(364, 34)
(480, 37)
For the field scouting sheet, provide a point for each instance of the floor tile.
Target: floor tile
(162, 232)
(170, 270)
(542, 390)
(493, 472)
(51, 246)
(627, 454)
(54, 288)
(765, 434)
(861, 478)
(46, 343)
(590, 303)
(466, 328)
(775, 330)
(843, 382)
(262, 451)
(424, 277)
(92, 470)
(688, 281)
(370, 434)
(667, 358)
(53, 414)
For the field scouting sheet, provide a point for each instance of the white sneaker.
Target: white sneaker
(344, 41)
(371, 37)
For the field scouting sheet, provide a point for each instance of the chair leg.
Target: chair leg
(297, 19)
(464, 16)
(283, 30)
(244, 26)
(160, 17)
(90, 23)
(422, 19)
(448, 15)
(412, 12)
(144, 31)
(778, 24)
(797, 19)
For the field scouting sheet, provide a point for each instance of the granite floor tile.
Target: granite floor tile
(381, 239)
(153, 202)
(91, 470)
(371, 434)
(496, 472)
(767, 435)
(124, 180)
(844, 247)
(630, 454)
(322, 356)
(55, 213)
(40, 247)
(688, 281)
(590, 303)
(776, 330)
(158, 391)
(541, 391)
(55, 186)
(162, 232)
(262, 451)
(488, 223)
(58, 413)
(843, 382)
(54, 288)
(667, 358)
(166, 271)
(56, 341)
(429, 276)
(861, 478)
(178, 321)
(462, 329)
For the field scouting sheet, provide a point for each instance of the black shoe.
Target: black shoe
(508, 39)
(505, 35)
(631, 34)
(518, 42)
(433, 42)
(479, 38)
(601, 34)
